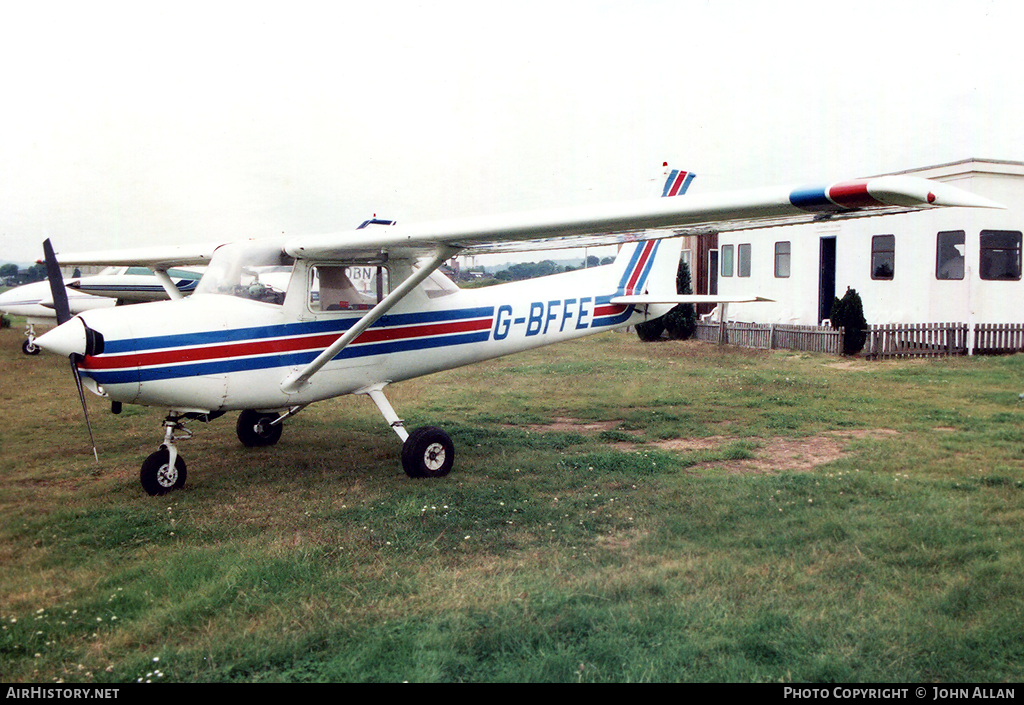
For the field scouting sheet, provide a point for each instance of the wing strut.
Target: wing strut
(295, 381)
(165, 281)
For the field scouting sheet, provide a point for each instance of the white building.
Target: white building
(944, 265)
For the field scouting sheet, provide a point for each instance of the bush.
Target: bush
(651, 330)
(848, 313)
(680, 322)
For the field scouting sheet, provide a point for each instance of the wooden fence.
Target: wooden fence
(886, 341)
(772, 336)
(998, 338)
(916, 340)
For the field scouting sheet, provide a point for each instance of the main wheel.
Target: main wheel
(30, 348)
(158, 477)
(255, 429)
(428, 452)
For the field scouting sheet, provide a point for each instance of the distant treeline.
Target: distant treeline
(531, 270)
(12, 275)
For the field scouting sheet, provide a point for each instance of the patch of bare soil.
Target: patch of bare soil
(780, 454)
(563, 423)
(853, 365)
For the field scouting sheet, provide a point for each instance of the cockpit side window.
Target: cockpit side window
(347, 287)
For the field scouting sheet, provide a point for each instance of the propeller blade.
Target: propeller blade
(85, 409)
(57, 290)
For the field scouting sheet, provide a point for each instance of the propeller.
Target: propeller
(63, 311)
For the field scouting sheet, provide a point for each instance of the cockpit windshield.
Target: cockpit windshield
(249, 271)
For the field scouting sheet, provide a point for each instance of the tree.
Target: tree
(35, 273)
(681, 321)
(848, 313)
(8, 270)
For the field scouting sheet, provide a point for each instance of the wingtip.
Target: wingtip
(903, 190)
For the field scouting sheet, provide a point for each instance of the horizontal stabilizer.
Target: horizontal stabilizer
(686, 299)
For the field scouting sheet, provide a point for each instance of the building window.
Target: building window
(883, 256)
(743, 260)
(727, 260)
(782, 259)
(1000, 255)
(949, 255)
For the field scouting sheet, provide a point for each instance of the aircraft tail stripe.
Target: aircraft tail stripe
(677, 183)
(277, 346)
(638, 267)
(638, 277)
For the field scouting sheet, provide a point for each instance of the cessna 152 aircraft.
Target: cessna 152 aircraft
(242, 343)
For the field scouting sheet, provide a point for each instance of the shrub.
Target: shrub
(848, 313)
(681, 321)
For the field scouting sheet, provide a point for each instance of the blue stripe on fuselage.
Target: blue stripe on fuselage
(284, 330)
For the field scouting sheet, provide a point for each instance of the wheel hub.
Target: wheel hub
(167, 476)
(434, 456)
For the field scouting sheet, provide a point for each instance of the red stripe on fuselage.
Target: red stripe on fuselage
(265, 347)
(609, 310)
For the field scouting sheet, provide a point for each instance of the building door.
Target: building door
(713, 272)
(826, 277)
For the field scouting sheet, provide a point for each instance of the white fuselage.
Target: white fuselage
(216, 352)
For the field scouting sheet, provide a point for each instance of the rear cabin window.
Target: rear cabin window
(949, 255)
(883, 256)
(352, 287)
(1000, 255)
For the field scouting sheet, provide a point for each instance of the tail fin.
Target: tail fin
(648, 268)
(677, 182)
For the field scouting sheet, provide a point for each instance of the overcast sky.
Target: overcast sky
(139, 123)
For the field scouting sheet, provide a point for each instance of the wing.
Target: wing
(156, 258)
(589, 225)
(662, 217)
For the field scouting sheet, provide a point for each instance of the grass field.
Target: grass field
(619, 511)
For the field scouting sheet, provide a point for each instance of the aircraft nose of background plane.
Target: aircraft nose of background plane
(67, 339)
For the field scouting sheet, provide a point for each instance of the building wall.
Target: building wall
(914, 294)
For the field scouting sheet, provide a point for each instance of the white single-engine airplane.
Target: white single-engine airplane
(367, 308)
(111, 287)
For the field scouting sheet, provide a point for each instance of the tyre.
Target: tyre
(255, 429)
(428, 452)
(30, 348)
(158, 477)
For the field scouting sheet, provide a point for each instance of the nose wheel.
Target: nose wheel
(29, 346)
(165, 470)
(160, 475)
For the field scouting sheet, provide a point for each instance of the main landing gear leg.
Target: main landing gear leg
(164, 470)
(427, 451)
